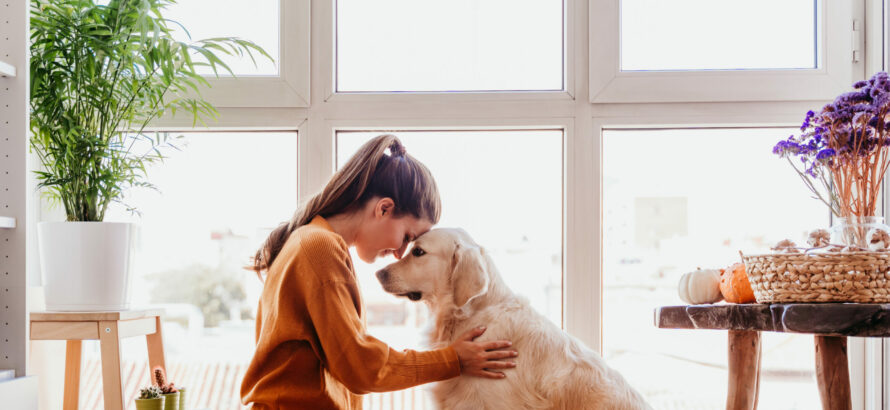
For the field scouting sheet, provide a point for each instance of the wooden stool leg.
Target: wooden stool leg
(110, 345)
(744, 370)
(832, 373)
(73, 351)
(155, 343)
(757, 388)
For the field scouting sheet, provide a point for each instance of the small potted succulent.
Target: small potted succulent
(168, 390)
(150, 398)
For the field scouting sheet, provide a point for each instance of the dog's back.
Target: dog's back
(554, 370)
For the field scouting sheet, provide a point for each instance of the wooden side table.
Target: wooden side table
(109, 328)
(830, 323)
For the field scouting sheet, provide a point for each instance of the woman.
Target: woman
(312, 350)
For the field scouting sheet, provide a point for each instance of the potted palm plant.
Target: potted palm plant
(100, 73)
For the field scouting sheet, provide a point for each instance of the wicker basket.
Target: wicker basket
(862, 277)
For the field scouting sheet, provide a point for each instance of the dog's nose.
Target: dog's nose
(382, 275)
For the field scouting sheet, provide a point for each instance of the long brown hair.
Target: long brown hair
(370, 173)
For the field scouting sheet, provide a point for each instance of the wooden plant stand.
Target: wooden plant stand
(108, 328)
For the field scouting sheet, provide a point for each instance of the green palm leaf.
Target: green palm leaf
(99, 74)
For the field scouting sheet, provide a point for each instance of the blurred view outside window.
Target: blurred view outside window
(675, 200)
(449, 45)
(219, 197)
(716, 35)
(505, 189)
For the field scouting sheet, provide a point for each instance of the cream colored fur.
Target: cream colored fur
(463, 289)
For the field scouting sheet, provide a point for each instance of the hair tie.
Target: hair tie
(397, 149)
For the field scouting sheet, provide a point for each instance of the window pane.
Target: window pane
(718, 34)
(219, 198)
(255, 20)
(449, 45)
(696, 203)
(510, 208)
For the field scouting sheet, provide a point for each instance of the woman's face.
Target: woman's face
(383, 234)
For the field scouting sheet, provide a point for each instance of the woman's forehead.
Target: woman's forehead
(417, 226)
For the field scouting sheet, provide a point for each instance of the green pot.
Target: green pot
(181, 398)
(150, 404)
(172, 401)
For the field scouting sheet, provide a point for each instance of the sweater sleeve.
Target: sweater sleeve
(361, 362)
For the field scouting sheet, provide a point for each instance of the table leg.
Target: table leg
(757, 388)
(110, 346)
(744, 370)
(73, 350)
(155, 343)
(832, 373)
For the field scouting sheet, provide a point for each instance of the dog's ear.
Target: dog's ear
(469, 278)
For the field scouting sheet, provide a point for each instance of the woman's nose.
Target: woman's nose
(398, 253)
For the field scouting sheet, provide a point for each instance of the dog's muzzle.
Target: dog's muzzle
(383, 275)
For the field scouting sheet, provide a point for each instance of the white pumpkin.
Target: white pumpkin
(701, 286)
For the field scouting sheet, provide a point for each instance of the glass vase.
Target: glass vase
(853, 230)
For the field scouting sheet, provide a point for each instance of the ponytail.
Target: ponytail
(370, 173)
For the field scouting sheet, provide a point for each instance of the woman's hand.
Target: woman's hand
(480, 358)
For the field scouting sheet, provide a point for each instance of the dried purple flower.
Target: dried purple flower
(825, 154)
(840, 138)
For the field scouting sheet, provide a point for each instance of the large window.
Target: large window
(449, 45)
(717, 35)
(724, 50)
(592, 226)
(509, 201)
(675, 200)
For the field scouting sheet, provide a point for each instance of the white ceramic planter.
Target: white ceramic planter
(85, 265)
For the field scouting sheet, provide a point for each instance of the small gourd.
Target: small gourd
(734, 285)
(700, 286)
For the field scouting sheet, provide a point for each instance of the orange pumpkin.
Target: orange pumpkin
(734, 284)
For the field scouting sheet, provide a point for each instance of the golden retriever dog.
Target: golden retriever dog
(453, 275)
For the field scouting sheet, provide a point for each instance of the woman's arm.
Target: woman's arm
(360, 361)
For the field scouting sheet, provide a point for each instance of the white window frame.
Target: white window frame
(290, 88)
(328, 56)
(872, 380)
(608, 84)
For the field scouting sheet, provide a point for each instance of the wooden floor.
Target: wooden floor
(212, 386)
(208, 385)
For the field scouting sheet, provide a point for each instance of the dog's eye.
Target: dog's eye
(417, 251)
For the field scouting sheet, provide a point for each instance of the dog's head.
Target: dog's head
(442, 263)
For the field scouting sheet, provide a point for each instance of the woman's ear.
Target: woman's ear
(384, 207)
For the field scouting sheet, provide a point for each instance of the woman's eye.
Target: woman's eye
(418, 252)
